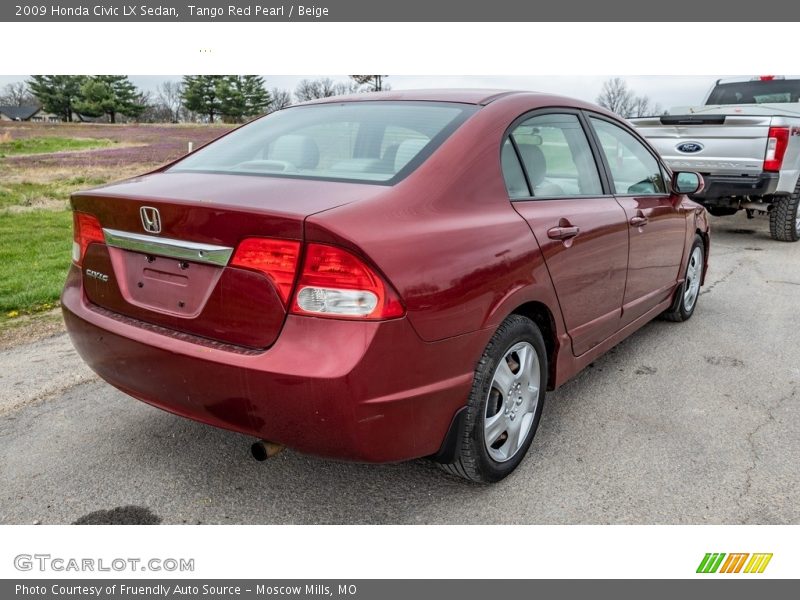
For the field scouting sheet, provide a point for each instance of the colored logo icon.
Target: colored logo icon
(719, 562)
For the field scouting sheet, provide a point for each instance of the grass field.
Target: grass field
(29, 193)
(46, 145)
(41, 164)
(34, 257)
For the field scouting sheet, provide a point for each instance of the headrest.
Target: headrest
(299, 150)
(406, 151)
(535, 163)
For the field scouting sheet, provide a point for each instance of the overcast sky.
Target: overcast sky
(668, 91)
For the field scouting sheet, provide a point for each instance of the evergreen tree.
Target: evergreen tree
(204, 94)
(243, 96)
(58, 94)
(109, 95)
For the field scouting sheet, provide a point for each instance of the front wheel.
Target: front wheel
(505, 403)
(688, 293)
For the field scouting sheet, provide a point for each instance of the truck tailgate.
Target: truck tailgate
(709, 143)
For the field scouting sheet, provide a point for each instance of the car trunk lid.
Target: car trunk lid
(169, 256)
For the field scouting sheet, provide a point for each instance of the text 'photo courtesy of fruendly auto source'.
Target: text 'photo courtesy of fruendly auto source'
(393, 299)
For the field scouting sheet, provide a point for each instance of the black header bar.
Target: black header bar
(677, 11)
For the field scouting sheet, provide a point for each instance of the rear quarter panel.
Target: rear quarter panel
(448, 238)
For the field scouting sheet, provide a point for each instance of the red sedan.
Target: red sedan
(385, 276)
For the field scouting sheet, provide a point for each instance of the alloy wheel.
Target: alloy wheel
(694, 273)
(512, 401)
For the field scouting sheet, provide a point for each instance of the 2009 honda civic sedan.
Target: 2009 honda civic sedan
(385, 276)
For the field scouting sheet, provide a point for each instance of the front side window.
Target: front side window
(633, 169)
(556, 156)
(372, 141)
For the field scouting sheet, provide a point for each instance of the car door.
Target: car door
(657, 223)
(553, 180)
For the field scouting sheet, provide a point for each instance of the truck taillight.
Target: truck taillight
(336, 283)
(85, 230)
(277, 259)
(776, 148)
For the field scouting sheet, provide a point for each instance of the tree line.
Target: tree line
(226, 98)
(204, 98)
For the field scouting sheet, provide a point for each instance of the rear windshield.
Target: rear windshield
(368, 141)
(775, 91)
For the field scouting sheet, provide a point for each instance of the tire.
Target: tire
(504, 405)
(784, 219)
(688, 293)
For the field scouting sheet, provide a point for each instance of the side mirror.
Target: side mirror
(686, 182)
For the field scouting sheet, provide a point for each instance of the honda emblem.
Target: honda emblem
(151, 219)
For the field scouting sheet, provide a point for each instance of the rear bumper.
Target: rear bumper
(364, 391)
(726, 186)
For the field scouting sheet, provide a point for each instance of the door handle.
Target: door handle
(563, 233)
(639, 221)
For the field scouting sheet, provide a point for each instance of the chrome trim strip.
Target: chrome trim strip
(147, 244)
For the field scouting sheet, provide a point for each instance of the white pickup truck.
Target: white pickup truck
(745, 141)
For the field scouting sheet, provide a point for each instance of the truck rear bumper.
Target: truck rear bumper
(722, 187)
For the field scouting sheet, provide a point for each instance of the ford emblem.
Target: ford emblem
(689, 147)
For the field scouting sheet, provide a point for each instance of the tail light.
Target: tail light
(277, 259)
(85, 230)
(776, 148)
(336, 283)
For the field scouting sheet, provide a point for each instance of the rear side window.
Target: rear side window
(354, 141)
(633, 169)
(556, 157)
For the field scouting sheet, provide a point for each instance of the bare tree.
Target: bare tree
(17, 94)
(170, 97)
(642, 107)
(374, 83)
(155, 111)
(347, 87)
(616, 97)
(324, 87)
(280, 99)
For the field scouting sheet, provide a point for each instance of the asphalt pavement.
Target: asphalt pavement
(681, 423)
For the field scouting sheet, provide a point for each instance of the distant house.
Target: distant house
(27, 113)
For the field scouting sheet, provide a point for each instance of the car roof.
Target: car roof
(461, 95)
(480, 97)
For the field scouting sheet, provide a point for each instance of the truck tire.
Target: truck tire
(784, 218)
(505, 403)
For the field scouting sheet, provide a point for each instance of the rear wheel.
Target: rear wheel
(688, 293)
(784, 218)
(505, 403)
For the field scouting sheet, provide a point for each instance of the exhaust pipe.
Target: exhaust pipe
(263, 449)
(757, 206)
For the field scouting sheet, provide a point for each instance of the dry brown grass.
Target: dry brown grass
(55, 174)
